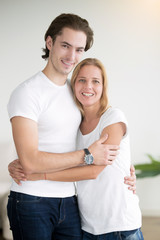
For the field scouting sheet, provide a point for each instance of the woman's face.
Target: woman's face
(89, 85)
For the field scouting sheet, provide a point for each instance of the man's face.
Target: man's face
(67, 50)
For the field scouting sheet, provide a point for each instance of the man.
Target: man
(44, 122)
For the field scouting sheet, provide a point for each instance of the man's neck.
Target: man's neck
(54, 76)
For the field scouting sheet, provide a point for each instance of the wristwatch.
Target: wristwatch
(88, 157)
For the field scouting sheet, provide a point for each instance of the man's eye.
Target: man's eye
(80, 50)
(65, 46)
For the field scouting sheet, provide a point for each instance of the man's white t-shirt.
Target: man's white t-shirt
(53, 109)
(105, 204)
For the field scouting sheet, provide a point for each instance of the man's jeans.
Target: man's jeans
(123, 235)
(43, 218)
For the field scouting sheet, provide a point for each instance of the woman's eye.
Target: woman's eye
(96, 81)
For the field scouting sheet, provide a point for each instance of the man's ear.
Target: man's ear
(49, 43)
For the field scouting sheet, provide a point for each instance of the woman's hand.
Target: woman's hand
(131, 180)
(16, 171)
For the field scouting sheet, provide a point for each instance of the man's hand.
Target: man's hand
(16, 171)
(131, 180)
(103, 154)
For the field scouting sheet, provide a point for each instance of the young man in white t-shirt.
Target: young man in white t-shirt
(44, 122)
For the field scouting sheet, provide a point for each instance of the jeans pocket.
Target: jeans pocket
(132, 235)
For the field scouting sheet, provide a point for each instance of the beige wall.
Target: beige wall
(127, 37)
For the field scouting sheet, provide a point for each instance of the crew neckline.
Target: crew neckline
(52, 83)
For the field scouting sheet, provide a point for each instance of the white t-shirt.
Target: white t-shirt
(58, 119)
(105, 204)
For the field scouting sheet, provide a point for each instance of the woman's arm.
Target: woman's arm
(69, 175)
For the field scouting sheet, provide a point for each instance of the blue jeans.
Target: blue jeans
(123, 235)
(43, 218)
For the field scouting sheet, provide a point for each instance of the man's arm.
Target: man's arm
(74, 174)
(68, 175)
(25, 134)
(116, 132)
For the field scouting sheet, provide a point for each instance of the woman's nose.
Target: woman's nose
(88, 85)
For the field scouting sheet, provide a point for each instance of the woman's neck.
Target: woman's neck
(90, 120)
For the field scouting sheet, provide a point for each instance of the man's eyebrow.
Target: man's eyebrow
(68, 44)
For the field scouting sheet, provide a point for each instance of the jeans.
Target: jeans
(123, 235)
(43, 218)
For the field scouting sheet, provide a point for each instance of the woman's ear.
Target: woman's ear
(49, 43)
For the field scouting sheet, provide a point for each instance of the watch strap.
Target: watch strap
(86, 151)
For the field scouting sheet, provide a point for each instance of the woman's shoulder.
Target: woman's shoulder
(112, 115)
(113, 112)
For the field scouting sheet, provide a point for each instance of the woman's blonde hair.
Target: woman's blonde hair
(104, 97)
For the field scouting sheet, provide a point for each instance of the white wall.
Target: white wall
(127, 37)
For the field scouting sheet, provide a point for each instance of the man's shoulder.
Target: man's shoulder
(33, 80)
(31, 84)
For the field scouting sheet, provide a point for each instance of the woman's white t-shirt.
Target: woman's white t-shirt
(105, 204)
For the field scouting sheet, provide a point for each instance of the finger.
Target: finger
(18, 177)
(133, 174)
(132, 168)
(113, 152)
(130, 178)
(113, 148)
(103, 138)
(17, 181)
(109, 162)
(132, 189)
(17, 165)
(131, 183)
(111, 158)
(17, 173)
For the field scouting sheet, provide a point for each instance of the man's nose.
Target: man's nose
(71, 54)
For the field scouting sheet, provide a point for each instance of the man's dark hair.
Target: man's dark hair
(71, 21)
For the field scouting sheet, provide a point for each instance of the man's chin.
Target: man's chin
(67, 71)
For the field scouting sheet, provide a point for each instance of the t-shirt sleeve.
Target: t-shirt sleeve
(112, 116)
(23, 103)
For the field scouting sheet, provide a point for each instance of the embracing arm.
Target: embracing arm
(116, 132)
(25, 134)
(69, 175)
(72, 174)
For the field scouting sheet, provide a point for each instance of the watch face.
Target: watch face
(89, 159)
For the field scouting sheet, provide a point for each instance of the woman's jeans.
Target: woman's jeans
(43, 218)
(123, 235)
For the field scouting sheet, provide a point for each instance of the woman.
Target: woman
(107, 209)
